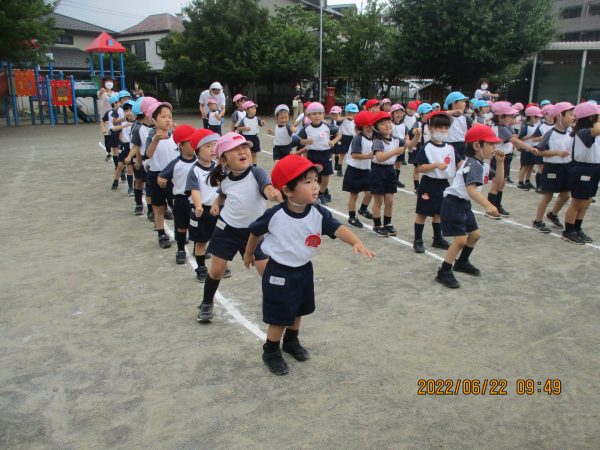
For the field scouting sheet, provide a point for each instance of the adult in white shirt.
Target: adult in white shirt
(482, 93)
(214, 91)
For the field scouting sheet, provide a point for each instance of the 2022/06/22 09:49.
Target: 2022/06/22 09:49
(487, 386)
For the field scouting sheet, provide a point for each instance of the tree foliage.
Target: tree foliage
(25, 30)
(459, 41)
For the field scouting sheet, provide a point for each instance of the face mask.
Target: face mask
(488, 116)
(484, 87)
(440, 136)
(108, 85)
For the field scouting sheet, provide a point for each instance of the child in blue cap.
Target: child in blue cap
(455, 104)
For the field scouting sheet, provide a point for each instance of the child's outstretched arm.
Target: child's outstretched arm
(350, 238)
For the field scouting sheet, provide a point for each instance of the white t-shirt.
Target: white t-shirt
(244, 200)
(166, 151)
(360, 145)
(197, 181)
(206, 95)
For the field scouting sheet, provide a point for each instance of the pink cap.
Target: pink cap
(248, 104)
(154, 106)
(146, 102)
(547, 109)
(229, 141)
(307, 121)
(213, 101)
(489, 102)
(396, 107)
(336, 110)
(586, 109)
(561, 107)
(315, 107)
(519, 106)
(533, 111)
(237, 97)
(385, 100)
(503, 109)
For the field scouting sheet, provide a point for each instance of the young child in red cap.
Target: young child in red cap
(293, 232)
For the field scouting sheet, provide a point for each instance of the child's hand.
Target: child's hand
(198, 210)
(500, 156)
(269, 131)
(360, 248)
(417, 132)
(248, 260)
(262, 123)
(160, 135)
(331, 144)
(309, 142)
(161, 182)
(564, 153)
(400, 150)
(273, 194)
(492, 211)
(215, 209)
(442, 166)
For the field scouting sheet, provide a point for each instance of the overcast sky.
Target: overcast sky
(117, 15)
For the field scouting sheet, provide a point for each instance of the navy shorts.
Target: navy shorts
(430, 196)
(539, 159)
(356, 180)
(124, 150)
(288, 292)
(507, 162)
(201, 228)
(527, 158)
(343, 145)
(459, 148)
(181, 212)
(255, 142)
(140, 174)
(281, 151)
(382, 179)
(228, 241)
(555, 178)
(583, 180)
(411, 155)
(158, 194)
(457, 217)
(115, 142)
(107, 142)
(215, 128)
(323, 158)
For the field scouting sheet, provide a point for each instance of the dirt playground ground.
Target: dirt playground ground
(99, 346)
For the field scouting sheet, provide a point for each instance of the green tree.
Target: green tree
(25, 29)
(459, 41)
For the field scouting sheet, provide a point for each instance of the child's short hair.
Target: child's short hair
(291, 185)
(158, 110)
(440, 120)
(470, 150)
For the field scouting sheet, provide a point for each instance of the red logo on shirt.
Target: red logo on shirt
(486, 179)
(314, 240)
(447, 159)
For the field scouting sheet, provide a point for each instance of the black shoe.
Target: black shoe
(205, 313)
(365, 213)
(123, 178)
(390, 229)
(466, 267)
(509, 181)
(139, 210)
(541, 227)
(400, 184)
(380, 231)
(503, 212)
(573, 237)
(294, 348)
(529, 185)
(538, 190)
(340, 173)
(107, 157)
(115, 185)
(419, 247)
(150, 216)
(168, 214)
(201, 273)
(554, 220)
(355, 222)
(180, 257)
(322, 199)
(328, 197)
(226, 274)
(403, 163)
(130, 192)
(446, 277)
(164, 241)
(442, 243)
(275, 363)
(523, 186)
(585, 237)
(416, 191)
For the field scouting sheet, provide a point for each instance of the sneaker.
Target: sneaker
(503, 212)
(380, 231)
(365, 213)
(275, 363)
(554, 220)
(418, 247)
(130, 192)
(201, 273)
(390, 229)
(226, 274)
(115, 185)
(138, 210)
(540, 226)
(446, 277)
(168, 214)
(529, 185)
(523, 186)
(400, 184)
(123, 178)
(323, 199)
(403, 163)
(416, 191)
(180, 257)
(573, 237)
(294, 348)
(328, 197)
(442, 243)
(538, 190)
(150, 216)
(107, 157)
(355, 222)
(164, 241)
(340, 173)
(205, 313)
(466, 267)
(509, 181)
(585, 237)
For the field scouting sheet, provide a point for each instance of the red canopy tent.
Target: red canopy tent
(105, 43)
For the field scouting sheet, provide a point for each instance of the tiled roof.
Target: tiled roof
(71, 24)
(155, 23)
(68, 58)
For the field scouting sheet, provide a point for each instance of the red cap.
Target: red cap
(364, 119)
(305, 105)
(478, 133)
(203, 136)
(439, 113)
(371, 103)
(289, 168)
(382, 115)
(413, 105)
(183, 133)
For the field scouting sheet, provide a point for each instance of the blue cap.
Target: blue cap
(480, 104)
(435, 105)
(122, 94)
(424, 108)
(362, 101)
(137, 106)
(454, 97)
(130, 103)
(351, 107)
(545, 102)
(593, 102)
(113, 98)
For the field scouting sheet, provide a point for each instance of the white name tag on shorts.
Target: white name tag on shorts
(277, 281)
(585, 178)
(220, 224)
(552, 176)
(193, 222)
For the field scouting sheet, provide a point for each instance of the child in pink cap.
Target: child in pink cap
(249, 126)
(215, 116)
(526, 134)
(544, 126)
(239, 113)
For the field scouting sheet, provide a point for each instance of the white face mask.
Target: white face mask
(443, 137)
(108, 85)
(484, 87)
(488, 116)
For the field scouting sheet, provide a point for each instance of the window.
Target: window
(138, 48)
(571, 37)
(157, 48)
(571, 12)
(594, 9)
(65, 39)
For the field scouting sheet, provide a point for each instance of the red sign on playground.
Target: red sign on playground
(61, 93)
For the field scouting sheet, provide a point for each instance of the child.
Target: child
(215, 116)
(243, 189)
(346, 126)
(419, 136)
(161, 149)
(585, 170)
(457, 217)
(555, 148)
(319, 138)
(526, 133)
(545, 125)
(176, 172)
(239, 113)
(386, 105)
(399, 131)
(373, 105)
(382, 179)
(436, 106)
(123, 131)
(201, 197)
(293, 234)
(410, 118)
(249, 127)
(358, 170)
(437, 161)
(299, 122)
(455, 105)
(481, 108)
(139, 134)
(283, 133)
(113, 137)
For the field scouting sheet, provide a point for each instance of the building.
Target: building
(578, 20)
(310, 4)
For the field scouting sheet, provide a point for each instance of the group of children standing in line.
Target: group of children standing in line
(218, 195)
